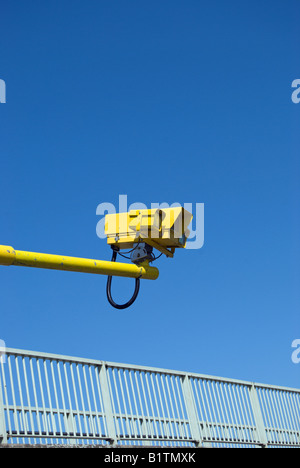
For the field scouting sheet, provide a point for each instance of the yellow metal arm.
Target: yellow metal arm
(9, 256)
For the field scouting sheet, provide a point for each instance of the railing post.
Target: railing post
(3, 434)
(191, 410)
(258, 417)
(109, 417)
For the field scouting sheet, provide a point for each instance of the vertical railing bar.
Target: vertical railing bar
(93, 398)
(217, 414)
(206, 423)
(66, 426)
(241, 405)
(15, 415)
(266, 413)
(286, 426)
(180, 411)
(96, 422)
(260, 392)
(229, 403)
(114, 411)
(295, 402)
(243, 426)
(212, 402)
(179, 387)
(87, 412)
(200, 417)
(51, 415)
(165, 431)
(292, 412)
(168, 404)
(23, 419)
(169, 425)
(134, 401)
(241, 396)
(232, 402)
(85, 426)
(3, 411)
(76, 400)
(154, 427)
(101, 418)
(274, 421)
(68, 387)
(280, 416)
(28, 397)
(226, 432)
(138, 404)
(230, 435)
(286, 417)
(44, 411)
(127, 416)
(249, 413)
(130, 423)
(293, 426)
(156, 420)
(177, 397)
(56, 397)
(208, 401)
(90, 417)
(285, 430)
(72, 412)
(287, 398)
(238, 430)
(156, 404)
(276, 425)
(97, 377)
(120, 426)
(35, 396)
(6, 404)
(144, 421)
(146, 404)
(237, 391)
(147, 400)
(176, 428)
(277, 417)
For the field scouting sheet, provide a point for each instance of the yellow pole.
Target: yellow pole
(9, 256)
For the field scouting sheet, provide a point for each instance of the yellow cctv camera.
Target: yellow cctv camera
(142, 230)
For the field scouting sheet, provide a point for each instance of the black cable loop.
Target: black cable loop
(108, 288)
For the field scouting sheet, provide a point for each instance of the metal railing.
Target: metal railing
(52, 399)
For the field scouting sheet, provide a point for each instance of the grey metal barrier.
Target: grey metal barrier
(57, 400)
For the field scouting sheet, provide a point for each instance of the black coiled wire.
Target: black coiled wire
(108, 288)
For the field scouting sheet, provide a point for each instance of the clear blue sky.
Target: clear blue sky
(166, 102)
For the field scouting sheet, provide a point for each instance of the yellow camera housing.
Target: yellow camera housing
(165, 229)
